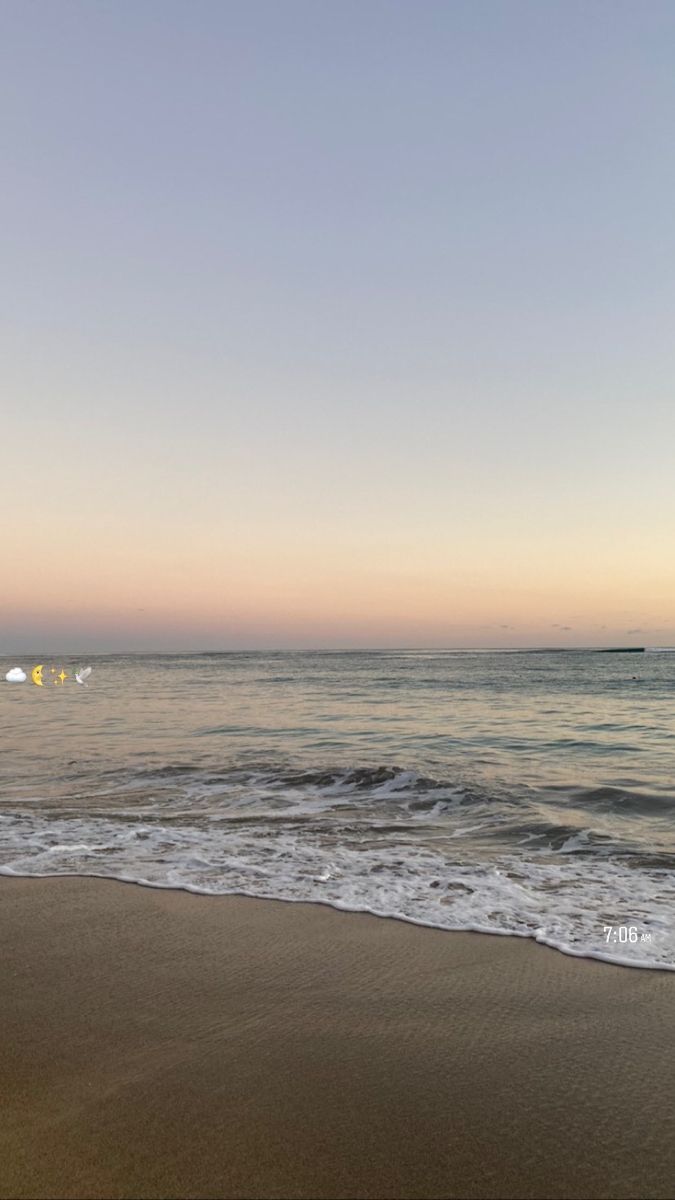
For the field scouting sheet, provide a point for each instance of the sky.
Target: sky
(336, 324)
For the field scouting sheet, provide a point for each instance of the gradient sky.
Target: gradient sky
(337, 324)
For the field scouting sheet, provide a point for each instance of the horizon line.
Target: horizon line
(541, 649)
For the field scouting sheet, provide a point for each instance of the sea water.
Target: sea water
(523, 793)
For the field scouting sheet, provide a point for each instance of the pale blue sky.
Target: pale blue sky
(370, 286)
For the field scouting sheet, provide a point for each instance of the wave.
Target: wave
(556, 865)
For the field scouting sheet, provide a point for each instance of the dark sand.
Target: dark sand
(157, 1044)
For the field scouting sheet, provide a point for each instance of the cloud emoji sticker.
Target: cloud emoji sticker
(16, 675)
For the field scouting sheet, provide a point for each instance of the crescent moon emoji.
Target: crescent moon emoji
(36, 675)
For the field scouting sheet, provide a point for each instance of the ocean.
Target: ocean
(526, 793)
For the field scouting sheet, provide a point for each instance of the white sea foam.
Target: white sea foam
(560, 899)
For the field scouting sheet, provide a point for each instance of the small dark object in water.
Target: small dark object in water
(435, 883)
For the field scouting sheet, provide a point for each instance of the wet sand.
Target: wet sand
(158, 1044)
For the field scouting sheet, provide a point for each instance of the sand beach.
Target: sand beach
(161, 1044)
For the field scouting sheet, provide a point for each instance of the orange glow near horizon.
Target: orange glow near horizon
(145, 590)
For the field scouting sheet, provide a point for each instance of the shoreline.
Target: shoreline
(568, 952)
(159, 1042)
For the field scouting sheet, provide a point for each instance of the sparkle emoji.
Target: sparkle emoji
(36, 675)
(62, 677)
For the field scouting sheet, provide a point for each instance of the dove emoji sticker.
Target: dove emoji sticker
(82, 676)
(16, 675)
